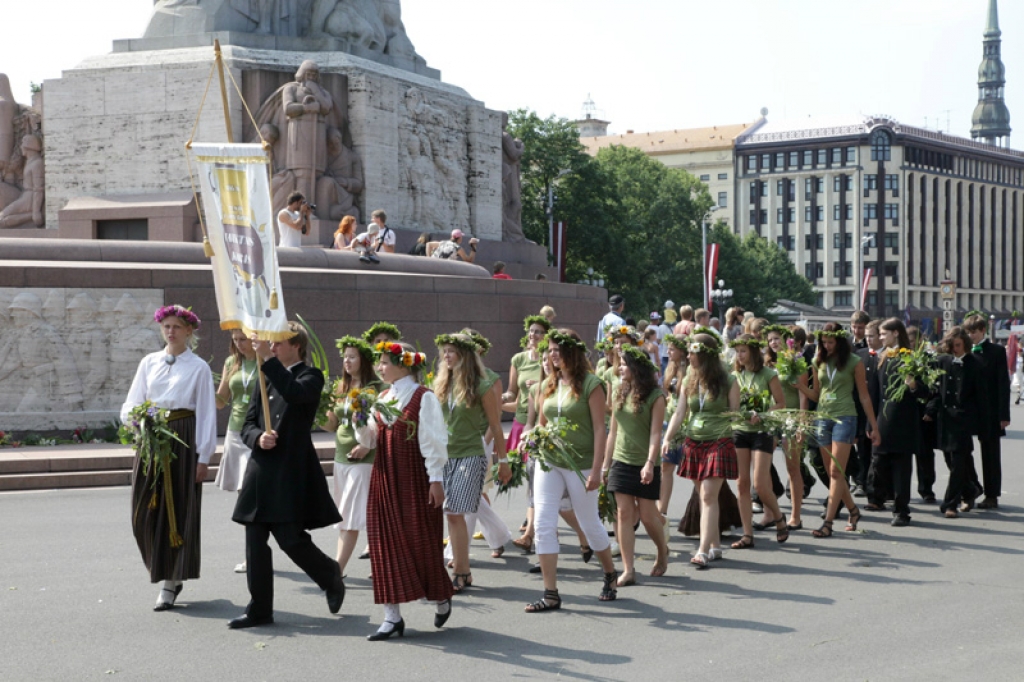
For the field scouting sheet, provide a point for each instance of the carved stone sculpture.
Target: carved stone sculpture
(21, 163)
(342, 181)
(29, 206)
(88, 344)
(511, 189)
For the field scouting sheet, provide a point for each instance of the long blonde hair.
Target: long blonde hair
(462, 380)
(708, 372)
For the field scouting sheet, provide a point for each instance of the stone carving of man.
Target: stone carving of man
(417, 150)
(28, 208)
(306, 105)
(88, 343)
(342, 181)
(8, 112)
(511, 189)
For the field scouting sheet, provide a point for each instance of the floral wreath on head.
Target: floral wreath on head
(365, 352)
(399, 355)
(972, 313)
(676, 341)
(531, 320)
(460, 340)
(837, 334)
(603, 346)
(779, 329)
(695, 346)
(382, 328)
(559, 339)
(639, 356)
(628, 331)
(174, 310)
(750, 343)
(482, 344)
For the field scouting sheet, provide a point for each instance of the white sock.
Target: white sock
(166, 594)
(392, 614)
(443, 607)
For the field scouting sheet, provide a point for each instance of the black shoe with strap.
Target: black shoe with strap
(549, 602)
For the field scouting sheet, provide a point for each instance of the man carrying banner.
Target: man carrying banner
(284, 492)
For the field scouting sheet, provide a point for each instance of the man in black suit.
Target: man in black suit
(995, 412)
(284, 492)
(866, 481)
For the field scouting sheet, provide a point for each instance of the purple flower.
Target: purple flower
(152, 412)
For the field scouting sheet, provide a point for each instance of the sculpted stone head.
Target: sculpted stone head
(308, 70)
(31, 143)
(26, 308)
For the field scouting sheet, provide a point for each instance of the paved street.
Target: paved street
(938, 600)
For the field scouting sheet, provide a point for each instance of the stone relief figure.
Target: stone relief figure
(28, 207)
(511, 189)
(372, 25)
(88, 344)
(342, 181)
(16, 123)
(274, 17)
(37, 364)
(132, 338)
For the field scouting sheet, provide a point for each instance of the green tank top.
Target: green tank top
(241, 384)
(576, 410)
(836, 399)
(791, 394)
(467, 424)
(704, 419)
(527, 369)
(633, 431)
(756, 383)
(345, 436)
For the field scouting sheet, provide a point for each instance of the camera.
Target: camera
(312, 207)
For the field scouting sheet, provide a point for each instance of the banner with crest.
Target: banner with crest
(239, 219)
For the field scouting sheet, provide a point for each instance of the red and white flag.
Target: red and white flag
(865, 283)
(712, 270)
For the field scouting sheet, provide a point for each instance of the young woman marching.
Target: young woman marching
(236, 387)
(837, 372)
(760, 390)
(470, 407)
(572, 393)
(353, 463)
(524, 373)
(632, 463)
(779, 339)
(709, 456)
(898, 421)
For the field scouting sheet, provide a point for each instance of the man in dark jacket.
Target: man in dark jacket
(284, 492)
(995, 413)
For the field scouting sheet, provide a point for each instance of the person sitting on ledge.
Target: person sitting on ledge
(499, 270)
(452, 248)
(363, 244)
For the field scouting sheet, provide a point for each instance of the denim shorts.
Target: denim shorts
(842, 431)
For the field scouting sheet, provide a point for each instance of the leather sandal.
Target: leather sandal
(781, 531)
(608, 591)
(745, 542)
(549, 602)
(855, 515)
(461, 581)
(824, 532)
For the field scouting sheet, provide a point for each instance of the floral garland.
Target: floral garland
(972, 313)
(559, 339)
(531, 320)
(482, 344)
(638, 355)
(174, 310)
(628, 331)
(779, 329)
(463, 341)
(148, 433)
(518, 467)
(698, 347)
(365, 352)
(837, 334)
(679, 342)
(752, 343)
(399, 355)
(382, 328)
(601, 346)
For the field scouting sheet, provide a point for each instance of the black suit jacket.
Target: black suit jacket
(956, 405)
(995, 390)
(285, 484)
(899, 423)
(870, 369)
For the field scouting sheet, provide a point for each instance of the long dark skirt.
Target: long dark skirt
(728, 512)
(151, 527)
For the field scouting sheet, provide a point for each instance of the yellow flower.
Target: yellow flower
(430, 375)
(904, 351)
(354, 393)
(891, 353)
(407, 359)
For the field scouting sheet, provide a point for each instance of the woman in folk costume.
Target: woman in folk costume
(404, 517)
(166, 499)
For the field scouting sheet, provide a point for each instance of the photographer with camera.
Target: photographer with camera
(452, 248)
(293, 221)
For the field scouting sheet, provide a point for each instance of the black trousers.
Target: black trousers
(896, 470)
(925, 473)
(958, 487)
(863, 461)
(991, 466)
(298, 545)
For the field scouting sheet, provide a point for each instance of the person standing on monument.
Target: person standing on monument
(166, 503)
(293, 221)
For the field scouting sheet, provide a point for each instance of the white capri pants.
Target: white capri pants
(547, 497)
(496, 533)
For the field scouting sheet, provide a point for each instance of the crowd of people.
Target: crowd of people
(661, 402)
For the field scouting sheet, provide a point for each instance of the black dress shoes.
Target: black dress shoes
(396, 628)
(245, 621)
(441, 618)
(336, 592)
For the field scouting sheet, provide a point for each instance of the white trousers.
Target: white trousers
(548, 488)
(496, 533)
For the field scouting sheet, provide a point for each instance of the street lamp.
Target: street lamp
(721, 296)
(704, 252)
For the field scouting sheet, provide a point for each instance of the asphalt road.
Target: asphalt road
(941, 599)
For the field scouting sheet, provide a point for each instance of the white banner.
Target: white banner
(240, 224)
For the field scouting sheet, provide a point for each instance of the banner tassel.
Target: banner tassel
(273, 299)
(207, 247)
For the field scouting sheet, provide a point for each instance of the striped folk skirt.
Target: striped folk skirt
(150, 524)
(709, 459)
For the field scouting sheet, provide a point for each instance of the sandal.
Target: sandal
(824, 532)
(700, 560)
(461, 581)
(767, 524)
(855, 515)
(549, 602)
(497, 553)
(781, 531)
(715, 553)
(745, 542)
(524, 543)
(608, 591)
(799, 525)
(587, 553)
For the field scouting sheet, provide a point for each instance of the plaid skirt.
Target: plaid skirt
(709, 459)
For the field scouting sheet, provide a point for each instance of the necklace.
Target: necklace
(170, 359)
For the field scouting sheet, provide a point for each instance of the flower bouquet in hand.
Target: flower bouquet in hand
(148, 432)
(755, 401)
(547, 445)
(790, 365)
(791, 424)
(518, 467)
(918, 365)
(355, 407)
(607, 508)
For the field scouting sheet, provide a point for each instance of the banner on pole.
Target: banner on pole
(240, 223)
(559, 245)
(865, 283)
(709, 276)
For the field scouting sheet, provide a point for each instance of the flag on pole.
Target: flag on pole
(709, 276)
(239, 219)
(865, 283)
(558, 246)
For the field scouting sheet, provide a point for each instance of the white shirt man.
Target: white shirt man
(662, 330)
(613, 319)
(291, 221)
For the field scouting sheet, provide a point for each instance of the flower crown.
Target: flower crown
(602, 346)
(698, 347)
(694, 346)
(175, 310)
(463, 341)
(365, 352)
(628, 331)
(751, 343)
(779, 329)
(559, 339)
(382, 328)
(677, 341)
(531, 320)
(399, 355)
(639, 356)
(979, 313)
(837, 334)
(483, 345)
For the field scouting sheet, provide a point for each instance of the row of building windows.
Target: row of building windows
(845, 298)
(707, 178)
(926, 159)
(844, 268)
(787, 188)
(890, 240)
(806, 159)
(788, 215)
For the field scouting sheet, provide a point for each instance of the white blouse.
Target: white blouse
(185, 385)
(431, 432)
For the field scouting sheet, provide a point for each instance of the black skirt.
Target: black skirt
(625, 478)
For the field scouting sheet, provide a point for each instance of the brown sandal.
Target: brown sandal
(745, 542)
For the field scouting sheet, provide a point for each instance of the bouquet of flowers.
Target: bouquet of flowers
(789, 424)
(515, 462)
(548, 446)
(790, 365)
(5, 438)
(916, 364)
(606, 505)
(355, 407)
(148, 433)
(755, 401)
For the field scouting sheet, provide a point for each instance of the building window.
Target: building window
(870, 211)
(791, 194)
(820, 213)
(764, 189)
(766, 162)
(780, 186)
(842, 269)
(814, 241)
(723, 199)
(753, 217)
(705, 178)
(780, 161)
(723, 176)
(792, 214)
(842, 182)
(844, 240)
(819, 185)
(881, 146)
(844, 298)
(754, 191)
(752, 162)
(870, 241)
(808, 187)
(870, 183)
(892, 184)
(851, 156)
(822, 158)
(892, 211)
(764, 217)
(891, 270)
(794, 159)
(808, 159)
(813, 271)
(841, 211)
(872, 299)
(785, 242)
(779, 215)
(819, 299)
(891, 240)
(837, 157)
(892, 299)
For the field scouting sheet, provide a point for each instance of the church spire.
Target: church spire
(991, 120)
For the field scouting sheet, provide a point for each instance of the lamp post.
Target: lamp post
(861, 294)
(721, 296)
(704, 252)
